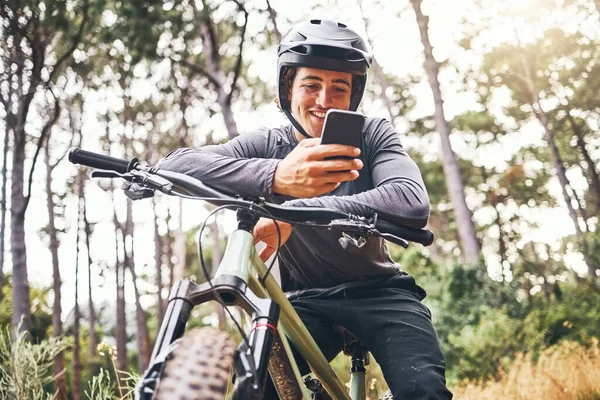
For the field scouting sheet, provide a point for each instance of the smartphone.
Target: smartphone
(343, 127)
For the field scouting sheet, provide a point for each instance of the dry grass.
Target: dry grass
(567, 371)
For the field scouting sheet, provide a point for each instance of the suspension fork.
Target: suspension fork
(229, 288)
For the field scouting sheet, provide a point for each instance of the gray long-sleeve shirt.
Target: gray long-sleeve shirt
(389, 183)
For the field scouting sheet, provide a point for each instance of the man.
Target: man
(323, 65)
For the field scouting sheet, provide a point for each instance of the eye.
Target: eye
(340, 89)
(311, 86)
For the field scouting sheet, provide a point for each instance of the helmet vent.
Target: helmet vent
(297, 37)
(357, 45)
(342, 25)
(315, 21)
(355, 56)
(299, 50)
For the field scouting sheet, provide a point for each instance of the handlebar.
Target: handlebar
(174, 183)
(100, 161)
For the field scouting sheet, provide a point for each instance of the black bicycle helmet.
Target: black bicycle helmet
(323, 44)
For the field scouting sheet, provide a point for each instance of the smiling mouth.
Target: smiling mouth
(317, 114)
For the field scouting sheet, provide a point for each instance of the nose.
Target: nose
(324, 99)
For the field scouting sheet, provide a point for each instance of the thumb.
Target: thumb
(312, 142)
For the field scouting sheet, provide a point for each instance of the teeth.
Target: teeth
(318, 114)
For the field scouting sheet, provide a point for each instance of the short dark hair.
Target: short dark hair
(287, 81)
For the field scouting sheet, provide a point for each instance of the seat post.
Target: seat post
(359, 355)
(358, 372)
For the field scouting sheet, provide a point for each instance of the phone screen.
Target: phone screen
(343, 127)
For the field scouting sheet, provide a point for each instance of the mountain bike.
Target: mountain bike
(205, 363)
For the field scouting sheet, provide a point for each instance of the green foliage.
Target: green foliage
(483, 323)
(41, 318)
(494, 341)
(26, 368)
(101, 386)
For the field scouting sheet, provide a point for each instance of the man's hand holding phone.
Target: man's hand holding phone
(310, 171)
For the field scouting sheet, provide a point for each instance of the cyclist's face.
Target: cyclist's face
(315, 91)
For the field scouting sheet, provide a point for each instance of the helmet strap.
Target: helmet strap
(296, 124)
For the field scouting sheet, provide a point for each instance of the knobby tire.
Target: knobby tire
(199, 368)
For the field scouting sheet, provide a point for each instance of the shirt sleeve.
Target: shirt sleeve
(227, 167)
(398, 194)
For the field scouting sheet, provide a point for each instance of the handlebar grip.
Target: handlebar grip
(423, 236)
(99, 161)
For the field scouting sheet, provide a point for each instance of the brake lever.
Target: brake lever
(109, 174)
(394, 239)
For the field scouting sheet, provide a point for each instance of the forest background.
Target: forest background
(496, 102)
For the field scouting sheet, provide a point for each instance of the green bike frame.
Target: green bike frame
(242, 261)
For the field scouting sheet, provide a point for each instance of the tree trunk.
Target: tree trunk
(592, 174)
(179, 247)
(378, 71)
(76, 344)
(273, 18)
(3, 203)
(142, 336)
(170, 244)
(384, 84)
(494, 202)
(502, 248)
(557, 162)
(214, 70)
(91, 309)
(21, 303)
(57, 326)
(121, 326)
(158, 260)
(21, 313)
(464, 218)
(151, 158)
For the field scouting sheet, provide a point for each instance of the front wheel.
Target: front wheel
(199, 368)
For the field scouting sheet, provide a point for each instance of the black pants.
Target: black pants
(391, 321)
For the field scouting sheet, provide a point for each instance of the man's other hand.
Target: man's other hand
(265, 231)
(307, 171)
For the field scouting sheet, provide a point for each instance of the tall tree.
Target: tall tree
(464, 217)
(87, 230)
(531, 73)
(57, 326)
(143, 338)
(121, 325)
(31, 30)
(212, 64)
(158, 260)
(3, 206)
(91, 307)
(273, 18)
(77, 366)
(382, 80)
